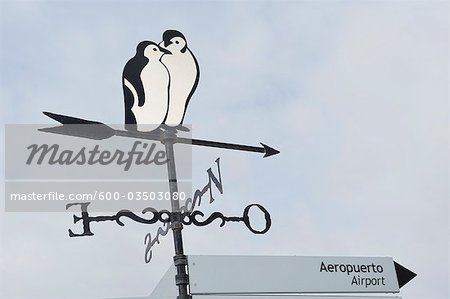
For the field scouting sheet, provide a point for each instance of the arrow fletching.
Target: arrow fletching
(94, 131)
(69, 120)
(79, 127)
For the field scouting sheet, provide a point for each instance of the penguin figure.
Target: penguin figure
(145, 82)
(184, 76)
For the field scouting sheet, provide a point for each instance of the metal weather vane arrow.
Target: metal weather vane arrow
(99, 131)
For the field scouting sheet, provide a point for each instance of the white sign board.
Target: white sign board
(291, 274)
(292, 297)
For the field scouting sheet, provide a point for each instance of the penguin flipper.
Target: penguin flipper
(132, 73)
(130, 119)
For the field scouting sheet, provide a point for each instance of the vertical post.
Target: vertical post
(180, 260)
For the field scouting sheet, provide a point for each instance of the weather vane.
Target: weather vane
(158, 83)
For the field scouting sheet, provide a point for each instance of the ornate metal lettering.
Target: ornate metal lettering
(189, 206)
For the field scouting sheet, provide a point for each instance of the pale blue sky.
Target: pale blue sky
(353, 93)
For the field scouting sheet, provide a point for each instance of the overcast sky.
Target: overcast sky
(353, 93)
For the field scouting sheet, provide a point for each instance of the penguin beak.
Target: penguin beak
(165, 51)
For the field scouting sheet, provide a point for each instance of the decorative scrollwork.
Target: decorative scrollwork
(164, 216)
(161, 216)
(190, 218)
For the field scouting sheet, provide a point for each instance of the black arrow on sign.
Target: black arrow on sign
(99, 131)
(403, 275)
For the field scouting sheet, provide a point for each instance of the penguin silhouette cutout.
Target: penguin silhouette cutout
(145, 82)
(184, 76)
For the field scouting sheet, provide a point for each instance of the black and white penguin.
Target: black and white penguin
(184, 76)
(145, 82)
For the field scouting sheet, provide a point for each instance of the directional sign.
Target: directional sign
(289, 297)
(166, 289)
(272, 297)
(224, 275)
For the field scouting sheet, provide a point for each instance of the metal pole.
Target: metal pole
(180, 260)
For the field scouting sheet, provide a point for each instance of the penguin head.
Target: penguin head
(174, 41)
(141, 47)
(151, 50)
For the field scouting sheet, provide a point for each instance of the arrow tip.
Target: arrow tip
(269, 151)
(403, 275)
